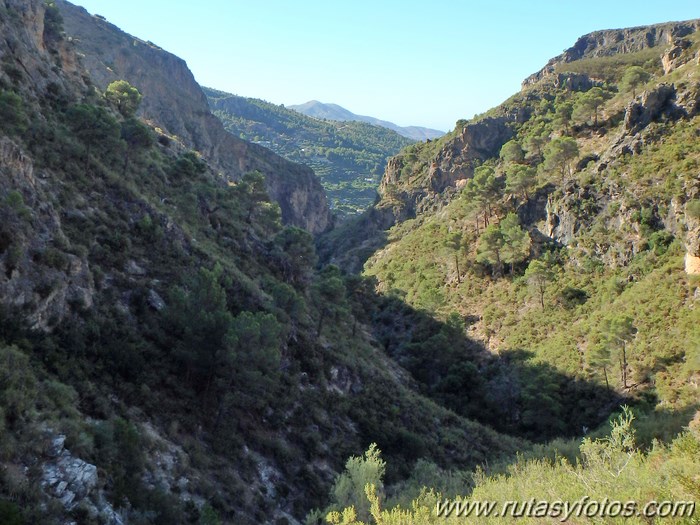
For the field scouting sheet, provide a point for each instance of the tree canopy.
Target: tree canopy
(588, 104)
(634, 77)
(520, 180)
(559, 154)
(124, 97)
(538, 275)
(512, 151)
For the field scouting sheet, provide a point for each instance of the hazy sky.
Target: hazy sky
(425, 63)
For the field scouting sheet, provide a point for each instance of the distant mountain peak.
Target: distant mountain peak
(329, 111)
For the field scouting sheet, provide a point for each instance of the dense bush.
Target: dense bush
(611, 468)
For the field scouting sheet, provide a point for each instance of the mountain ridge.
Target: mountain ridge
(329, 111)
(610, 42)
(348, 157)
(183, 112)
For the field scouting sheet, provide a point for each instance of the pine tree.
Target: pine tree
(513, 152)
(633, 77)
(520, 180)
(538, 275)
(454, 244)
(617, 333)
(483, 189)
(536, 139)
(124, 97)
(562, 115)
(199, 319)
(94, 126)
(137, 136)
(490, 247)
(559, 154)
(588, 104)
(516, 241)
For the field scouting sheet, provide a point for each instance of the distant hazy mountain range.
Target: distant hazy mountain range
(317, 109)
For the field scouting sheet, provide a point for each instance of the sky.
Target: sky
(427, 63)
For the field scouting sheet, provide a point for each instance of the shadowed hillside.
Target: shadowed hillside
(172, 351)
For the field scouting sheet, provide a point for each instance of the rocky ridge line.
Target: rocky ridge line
(173, 101)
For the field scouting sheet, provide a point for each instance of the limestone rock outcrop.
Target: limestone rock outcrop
(615, 41)
(477, 141)
(651, 106)
(75, 483)
(452, 166)
(35, 277)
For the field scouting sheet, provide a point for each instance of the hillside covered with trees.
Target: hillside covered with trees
(560, 229)
(176, 348)
(348, 157)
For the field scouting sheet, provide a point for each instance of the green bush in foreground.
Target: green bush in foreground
(612, 468)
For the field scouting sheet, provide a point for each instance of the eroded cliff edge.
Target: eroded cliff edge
(174, 102)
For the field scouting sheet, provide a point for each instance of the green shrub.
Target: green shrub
(13, 117)
(10, 514)
(18, 385)
(53, 21)
(120, 451)
(349, 488)
(692, 208)
(54, 258)
(660, 241)
(571, 297)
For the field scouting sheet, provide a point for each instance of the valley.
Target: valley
(208, 315)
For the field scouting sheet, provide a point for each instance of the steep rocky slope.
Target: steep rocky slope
(174, 102)
(424, 178)
(565, 234)
(656, 40)
(168, 351)
(544, 222)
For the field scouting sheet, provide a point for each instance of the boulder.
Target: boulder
(74, 482)
(69, 478)
(155, 301)
(688, 100)
(653, 104)
(55, 447)
(133, 268)
(674, 56)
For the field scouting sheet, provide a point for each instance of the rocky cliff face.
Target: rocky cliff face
(43, 292)
(420, 187)
(30, 47)
(29, 239)
(573, 207)
(414, 186)
(173, 101)
(421, 181)
(617, 41)
(475, 143)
